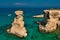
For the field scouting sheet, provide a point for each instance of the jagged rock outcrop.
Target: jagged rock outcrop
(53, 19)
(18, 25)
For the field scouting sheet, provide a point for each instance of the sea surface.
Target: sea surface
(30, 24)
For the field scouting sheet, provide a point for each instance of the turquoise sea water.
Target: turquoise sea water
(30, 24)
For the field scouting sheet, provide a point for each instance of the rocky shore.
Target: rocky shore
(18, 25)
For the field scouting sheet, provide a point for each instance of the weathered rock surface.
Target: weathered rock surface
(18, 25)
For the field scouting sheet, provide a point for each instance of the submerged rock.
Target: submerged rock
(18, 25)
(9, 14)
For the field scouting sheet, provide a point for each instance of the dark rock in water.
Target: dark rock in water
(43, 31)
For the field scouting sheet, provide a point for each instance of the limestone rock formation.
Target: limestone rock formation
(18, 25)
(38, 16)
(53, 19)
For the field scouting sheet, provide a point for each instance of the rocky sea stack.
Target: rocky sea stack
(53, 20)
(18, 25)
